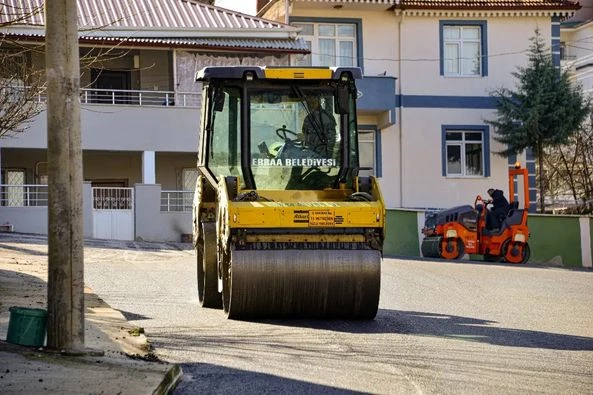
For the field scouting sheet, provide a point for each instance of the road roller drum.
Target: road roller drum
(304, 283)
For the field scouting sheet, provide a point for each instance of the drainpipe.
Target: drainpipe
(401, 115)
(175, 82)
(286, 11)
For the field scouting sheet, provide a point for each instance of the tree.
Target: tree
(545, 109)
(20, 84)
(570, 170)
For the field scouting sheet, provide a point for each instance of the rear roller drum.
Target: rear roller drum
(297, 283)
(207, 271)
(514, 252)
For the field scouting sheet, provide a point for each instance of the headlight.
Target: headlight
(451, 233)
(519, 237)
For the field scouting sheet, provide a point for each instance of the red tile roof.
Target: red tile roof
(490, 4)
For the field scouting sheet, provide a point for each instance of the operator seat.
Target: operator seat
(514, 217)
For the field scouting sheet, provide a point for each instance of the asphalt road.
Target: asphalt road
(442, 327)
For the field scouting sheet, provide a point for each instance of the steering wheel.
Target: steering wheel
(283, 133)
(479, 199)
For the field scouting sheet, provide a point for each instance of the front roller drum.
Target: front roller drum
(431, 247)
(444, 248)
(303, 283)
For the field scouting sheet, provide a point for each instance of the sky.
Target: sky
(244, 6)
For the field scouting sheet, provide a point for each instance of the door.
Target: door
(111, 86)
(113, 213)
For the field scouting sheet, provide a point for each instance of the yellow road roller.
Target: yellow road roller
(283, 224)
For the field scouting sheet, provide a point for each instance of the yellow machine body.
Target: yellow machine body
(284, 224)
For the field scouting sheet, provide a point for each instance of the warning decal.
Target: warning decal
(315, 217)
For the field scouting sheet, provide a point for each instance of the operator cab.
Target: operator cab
(279, 133)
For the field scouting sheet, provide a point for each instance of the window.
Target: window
(224, 140)
(13, 190)
(332, 44)
(14, 65)
(189, 177)
(465, 151)
(368, 145)
(463, 49)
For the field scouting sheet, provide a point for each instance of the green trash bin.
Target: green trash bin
(27, 326)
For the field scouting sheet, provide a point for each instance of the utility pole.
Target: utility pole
(65, 291)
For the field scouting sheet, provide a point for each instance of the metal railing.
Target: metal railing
(133, 97)
(23, 195)
(177, 201)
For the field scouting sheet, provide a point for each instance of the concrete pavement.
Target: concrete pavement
(120, 362)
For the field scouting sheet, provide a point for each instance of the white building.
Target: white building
(433, 146)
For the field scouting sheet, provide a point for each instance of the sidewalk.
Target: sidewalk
(127, 366)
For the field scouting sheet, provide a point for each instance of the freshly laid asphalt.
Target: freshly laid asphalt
(117, 358)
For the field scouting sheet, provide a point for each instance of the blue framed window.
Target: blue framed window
(465, 150)
(463, 48)
(333, 41)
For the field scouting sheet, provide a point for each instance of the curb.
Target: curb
(169, 382)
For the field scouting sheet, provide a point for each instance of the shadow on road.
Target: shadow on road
(90, 243)
(23, 250)
(130, 316)
(447, 326)
(198, 378)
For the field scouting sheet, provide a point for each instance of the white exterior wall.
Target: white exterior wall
(508, 40)
(124, 128)
(421, 149)
(424, 185)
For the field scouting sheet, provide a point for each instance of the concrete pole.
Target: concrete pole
(65, 291)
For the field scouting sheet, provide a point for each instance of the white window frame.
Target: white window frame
(463, 144)
(313, 37)
(482, 43)
(461, 43)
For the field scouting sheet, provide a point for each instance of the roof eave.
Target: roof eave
(124, 43)
(489, 8)
(159, 33)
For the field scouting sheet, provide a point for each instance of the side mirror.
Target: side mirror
(342, 99)
(218, 100)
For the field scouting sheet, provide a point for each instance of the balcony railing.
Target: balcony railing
(23, 195)
(134, 97)
(103, 198)
(177, 201)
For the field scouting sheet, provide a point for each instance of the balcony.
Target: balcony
(376, 94)
(126, 120)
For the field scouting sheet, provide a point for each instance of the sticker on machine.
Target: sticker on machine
(314, 217)
(321, 218)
